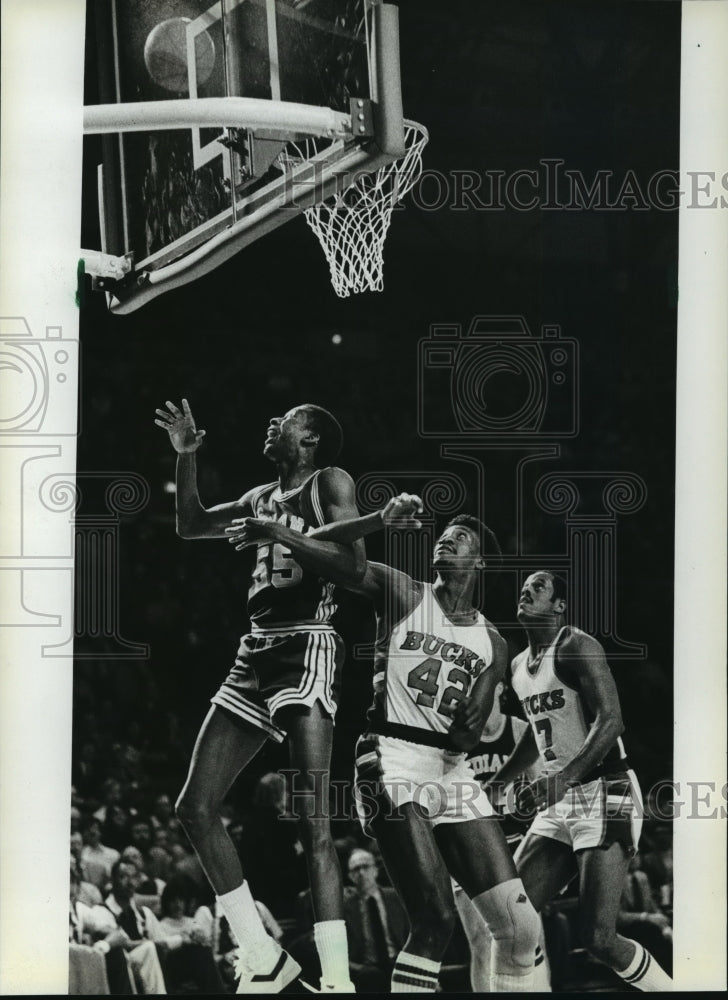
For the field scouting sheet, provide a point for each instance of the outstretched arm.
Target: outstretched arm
(335, 550)
(399, 510)
(193, 520)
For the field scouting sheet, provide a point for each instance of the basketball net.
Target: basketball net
(352, 225)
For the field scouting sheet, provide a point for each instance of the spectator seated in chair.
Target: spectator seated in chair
(143, 936)
(146, 885)
(96, 858)
(188, 931)
(88, 893)
(376, 925)
(97, 962)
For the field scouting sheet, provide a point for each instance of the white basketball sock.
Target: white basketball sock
(541, 977)
(333, 951)
(256, 946)
(644, 973)
(414, 974)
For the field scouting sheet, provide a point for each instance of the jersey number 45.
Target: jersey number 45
(275, 567)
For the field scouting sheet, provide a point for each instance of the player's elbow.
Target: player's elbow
(617, 722)
(188, 526)
(614, 726)
(351, 566)
(360, 563)
(184, 529)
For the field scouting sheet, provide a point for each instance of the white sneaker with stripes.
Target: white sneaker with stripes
(284, 970)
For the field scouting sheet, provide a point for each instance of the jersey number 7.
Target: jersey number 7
(543, 728)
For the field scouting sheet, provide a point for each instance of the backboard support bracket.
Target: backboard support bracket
(348, 144)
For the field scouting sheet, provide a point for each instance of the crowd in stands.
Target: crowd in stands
(142, 917)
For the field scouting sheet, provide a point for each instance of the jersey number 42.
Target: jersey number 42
(424, 679)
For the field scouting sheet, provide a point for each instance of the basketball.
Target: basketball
(165, 55)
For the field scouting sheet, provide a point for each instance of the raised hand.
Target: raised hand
(400, 511)
(543, 792)
(180, 425)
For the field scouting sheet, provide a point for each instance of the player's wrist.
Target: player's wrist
(278, 532)
(568, 776)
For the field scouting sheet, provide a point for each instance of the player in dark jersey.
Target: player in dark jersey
(588, 798)
(285, 679)
(437, 665)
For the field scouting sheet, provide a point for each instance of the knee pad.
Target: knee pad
(513, 922)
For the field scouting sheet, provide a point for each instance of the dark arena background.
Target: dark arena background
(566, 90)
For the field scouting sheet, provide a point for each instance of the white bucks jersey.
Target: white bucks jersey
(424, 666)
(556, 712)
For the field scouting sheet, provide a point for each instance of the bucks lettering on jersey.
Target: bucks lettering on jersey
(281, 591)
(556, 712)
(425, 665)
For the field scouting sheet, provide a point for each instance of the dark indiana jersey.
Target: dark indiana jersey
(487, 758)
(282, 593)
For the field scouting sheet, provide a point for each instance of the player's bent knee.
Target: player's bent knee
(195, 814)
(513, 923)
(526, 934)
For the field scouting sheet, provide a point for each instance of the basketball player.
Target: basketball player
(497, 742)
(437, 664)
(587, 797)
(285, 680)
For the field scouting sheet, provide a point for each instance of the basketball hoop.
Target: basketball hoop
(352, 225)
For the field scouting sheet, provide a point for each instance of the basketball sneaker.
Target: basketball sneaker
(285, 969)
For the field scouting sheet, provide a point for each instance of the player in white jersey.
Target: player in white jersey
(497, 742)
(588, 800)
(284, 681)
(438, 662)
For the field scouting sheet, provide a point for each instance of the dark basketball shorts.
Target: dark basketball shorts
(278, 667)
(596, 814)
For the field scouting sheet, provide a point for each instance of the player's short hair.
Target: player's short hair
(331, 436)
(558, 582)
(488, 542)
